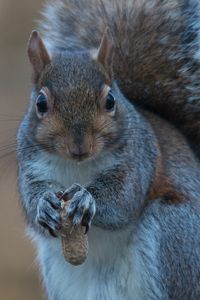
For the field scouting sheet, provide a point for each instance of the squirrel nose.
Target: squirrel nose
(79, 151)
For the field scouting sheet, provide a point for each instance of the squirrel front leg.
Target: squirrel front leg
(41, 205)
(112, 199)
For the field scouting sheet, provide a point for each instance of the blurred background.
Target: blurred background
(19, 276)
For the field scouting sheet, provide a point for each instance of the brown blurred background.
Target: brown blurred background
(19, 277)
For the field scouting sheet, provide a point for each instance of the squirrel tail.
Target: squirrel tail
(157, 50)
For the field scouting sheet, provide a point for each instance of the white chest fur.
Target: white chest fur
(68, 172)
(107, 274)
(121, 265)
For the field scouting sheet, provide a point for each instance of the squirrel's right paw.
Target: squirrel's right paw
(48, 213)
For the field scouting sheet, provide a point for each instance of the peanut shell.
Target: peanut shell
(74, 240)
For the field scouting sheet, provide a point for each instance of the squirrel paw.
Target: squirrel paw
(82, 206)
(48, 213)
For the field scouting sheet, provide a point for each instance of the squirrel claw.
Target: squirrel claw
(87, 227)
(69, 193)
(81, 206)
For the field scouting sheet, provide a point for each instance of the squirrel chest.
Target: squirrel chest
(109, 253)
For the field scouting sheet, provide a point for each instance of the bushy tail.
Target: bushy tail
(157, 50)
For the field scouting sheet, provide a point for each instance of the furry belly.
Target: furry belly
(107, 274)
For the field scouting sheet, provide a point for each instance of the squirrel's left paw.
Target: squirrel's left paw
(82, 206)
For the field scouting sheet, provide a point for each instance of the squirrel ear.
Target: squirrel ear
(105, 52)
(37, 53)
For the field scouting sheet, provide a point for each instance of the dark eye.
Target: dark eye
(41, 103)
(110, 102)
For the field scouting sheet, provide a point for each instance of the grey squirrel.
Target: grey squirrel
(138, 177)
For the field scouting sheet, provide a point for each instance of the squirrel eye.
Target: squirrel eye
(41, 103)
(110, 102)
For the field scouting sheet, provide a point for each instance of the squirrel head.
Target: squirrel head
(75, 110)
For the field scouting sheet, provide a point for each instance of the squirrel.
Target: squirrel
(113, 121)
